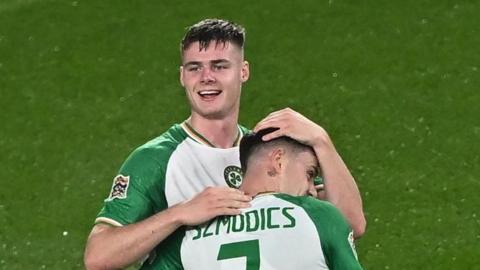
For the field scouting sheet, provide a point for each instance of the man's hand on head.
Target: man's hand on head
(294, 125)
(210, 203)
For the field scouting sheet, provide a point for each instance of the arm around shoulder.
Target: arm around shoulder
(110, 247)
(117, 247)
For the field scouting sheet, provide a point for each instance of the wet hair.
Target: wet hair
(252, 143)
(218, 30)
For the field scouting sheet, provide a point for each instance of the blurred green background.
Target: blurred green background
(395, 83)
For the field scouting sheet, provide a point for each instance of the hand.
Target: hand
(210, 203)
(293, 125)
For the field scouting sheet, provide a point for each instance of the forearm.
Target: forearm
(113, 248)
(117, 247)
(340, 186)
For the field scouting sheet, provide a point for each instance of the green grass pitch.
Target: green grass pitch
(395, 83)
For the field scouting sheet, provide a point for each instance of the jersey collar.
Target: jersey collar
(196, 136)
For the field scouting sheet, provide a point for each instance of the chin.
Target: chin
(214, 115)
(209, 113)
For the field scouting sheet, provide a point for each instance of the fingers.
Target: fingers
(285, 120)
(227, 212)
(279, 122)
(226, 201)
(271, 121)
(283, 124)
(294, 125)
(277, 116)
(273, 135)
(226, 193)
(225, 197)
(231, 203)
(278, 112)
(239, 197)
(212, 202)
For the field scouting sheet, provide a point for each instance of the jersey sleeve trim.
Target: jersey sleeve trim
(108, 221)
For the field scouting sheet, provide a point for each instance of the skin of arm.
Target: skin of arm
(340, 187)
(111, 247)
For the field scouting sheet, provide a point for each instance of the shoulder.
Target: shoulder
(307, 202)
(170, 139)
(315, 208)
(162, 146)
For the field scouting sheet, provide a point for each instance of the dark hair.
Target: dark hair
(220, 31)
(251, 142)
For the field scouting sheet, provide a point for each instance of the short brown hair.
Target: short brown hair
(252, 142)
(218, 30)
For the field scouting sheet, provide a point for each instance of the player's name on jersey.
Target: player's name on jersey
(254, 220)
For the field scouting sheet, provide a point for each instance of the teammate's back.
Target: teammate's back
(278, 231)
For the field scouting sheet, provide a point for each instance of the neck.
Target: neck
(255, 183)
(221, 133)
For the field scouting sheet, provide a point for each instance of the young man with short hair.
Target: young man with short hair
(190, 174)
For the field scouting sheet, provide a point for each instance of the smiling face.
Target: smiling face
(213, 79)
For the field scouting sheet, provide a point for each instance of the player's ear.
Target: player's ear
(245, 71)
(181, 76)
(277, 157)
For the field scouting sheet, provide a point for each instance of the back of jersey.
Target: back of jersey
(272, 234)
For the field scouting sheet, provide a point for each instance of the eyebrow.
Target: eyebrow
(219, 61)
(192, 63)
(198, 63)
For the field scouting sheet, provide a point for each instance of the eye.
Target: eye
(311, 174)
(193, 68)
(219, 67)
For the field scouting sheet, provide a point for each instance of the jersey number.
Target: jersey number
(249, 249)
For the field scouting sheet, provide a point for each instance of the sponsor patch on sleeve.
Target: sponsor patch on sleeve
(119, 187)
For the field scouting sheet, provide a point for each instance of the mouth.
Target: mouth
(209, 94)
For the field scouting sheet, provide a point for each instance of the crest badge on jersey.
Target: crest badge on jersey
(233, 176)
(119, 187)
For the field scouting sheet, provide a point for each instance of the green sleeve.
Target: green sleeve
(144, 192)
(335, 233)
(336, 236)
(167, 254)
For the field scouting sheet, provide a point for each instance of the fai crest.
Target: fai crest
(119, 187)
(233, 176)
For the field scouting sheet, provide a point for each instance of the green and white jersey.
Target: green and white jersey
(277, 232)
(170, 169)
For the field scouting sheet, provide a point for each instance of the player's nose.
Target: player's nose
(207, 76)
